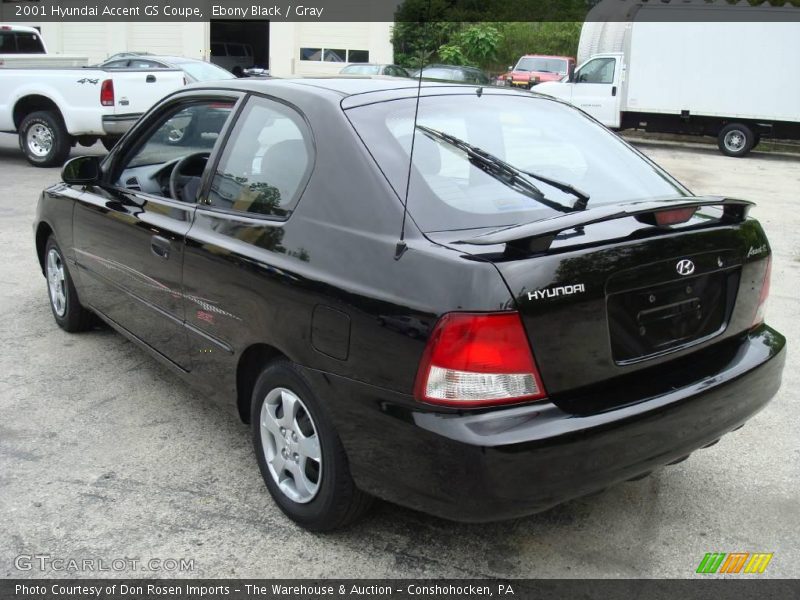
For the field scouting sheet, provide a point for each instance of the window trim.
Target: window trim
(214, 160)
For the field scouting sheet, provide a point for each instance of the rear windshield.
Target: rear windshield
(20, 42)
(449, 191)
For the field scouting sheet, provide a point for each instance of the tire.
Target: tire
(735, 139)
(109, 142)
(44, 139)
(318, 494)
(64, 303)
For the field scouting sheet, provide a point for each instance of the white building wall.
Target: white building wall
(98, 41)
(286, 39)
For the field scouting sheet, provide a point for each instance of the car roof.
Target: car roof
(356, 90)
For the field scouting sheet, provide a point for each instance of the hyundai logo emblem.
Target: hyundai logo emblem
(685, 267)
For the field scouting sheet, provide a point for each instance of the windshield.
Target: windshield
(203, 71)
(543, 65)
(449, 191)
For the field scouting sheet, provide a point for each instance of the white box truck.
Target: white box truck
(730, 78)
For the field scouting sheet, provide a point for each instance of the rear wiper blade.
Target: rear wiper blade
(498, 164)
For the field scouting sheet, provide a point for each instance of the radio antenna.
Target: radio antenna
(401, 244)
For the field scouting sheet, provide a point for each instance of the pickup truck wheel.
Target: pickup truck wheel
(67, 309)
(299, 453)
(44, 139)
(735, 139)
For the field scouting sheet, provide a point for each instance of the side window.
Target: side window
(145, 64)
(116, 64)
(599, 70)
(266, 161)
(188, 131)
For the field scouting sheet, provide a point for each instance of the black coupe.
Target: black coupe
(526, 311)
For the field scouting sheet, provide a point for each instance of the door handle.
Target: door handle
(160, 247)
(613, 90)
(151, 79)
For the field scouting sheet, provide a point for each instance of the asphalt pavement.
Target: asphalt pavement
(106, 455)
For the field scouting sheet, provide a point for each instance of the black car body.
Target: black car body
(514, 350)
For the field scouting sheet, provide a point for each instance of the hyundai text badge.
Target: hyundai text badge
(685, 267)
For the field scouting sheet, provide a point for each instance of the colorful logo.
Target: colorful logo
(734, 562)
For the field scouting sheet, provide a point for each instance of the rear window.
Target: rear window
(449, 191)
(20, 42)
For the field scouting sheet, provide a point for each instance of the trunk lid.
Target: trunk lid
(616, 296)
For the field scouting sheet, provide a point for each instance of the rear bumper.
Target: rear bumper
(508, 463)
(119, 124)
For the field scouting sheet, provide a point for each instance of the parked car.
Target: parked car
(370, 69)
(453, 73)
(232, 56)
(194, 70)
(533, 69)
(53, 109)
(23, 47)
(559, 314)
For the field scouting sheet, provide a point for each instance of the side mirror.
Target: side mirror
(510, 67)
(81, 170)
(571, 73)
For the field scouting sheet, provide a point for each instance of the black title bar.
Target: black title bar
(395, 10)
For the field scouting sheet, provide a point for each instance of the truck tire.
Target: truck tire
(736, 139)
(44, 139)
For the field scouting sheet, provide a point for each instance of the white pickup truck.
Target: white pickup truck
(52, 109)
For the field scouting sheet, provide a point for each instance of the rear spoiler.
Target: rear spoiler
(538, 236)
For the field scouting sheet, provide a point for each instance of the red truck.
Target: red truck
(536, 68)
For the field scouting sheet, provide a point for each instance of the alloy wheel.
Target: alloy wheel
(291, 445)
(56, 283)
(734, 141)
(40, 140)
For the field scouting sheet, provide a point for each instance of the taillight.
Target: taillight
(761, 309)
(107, 93)
(478, 359)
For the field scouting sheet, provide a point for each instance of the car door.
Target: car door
(129, 229)
(597, 89)
(238, 234)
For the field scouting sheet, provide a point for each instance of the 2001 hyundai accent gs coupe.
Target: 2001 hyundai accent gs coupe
(528, 312)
